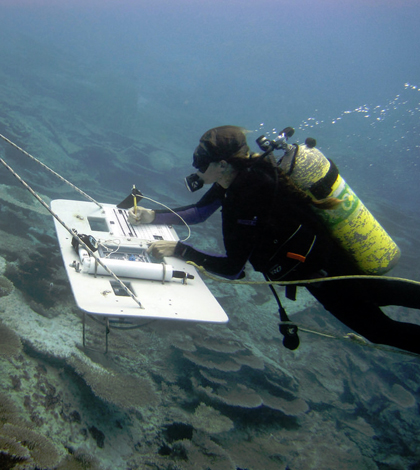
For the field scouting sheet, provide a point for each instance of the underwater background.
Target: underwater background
(115, 93)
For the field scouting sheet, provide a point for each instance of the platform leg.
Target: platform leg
(84, 329)
(107, 331)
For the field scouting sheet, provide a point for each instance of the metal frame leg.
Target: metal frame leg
(107, 331)
(84, 329)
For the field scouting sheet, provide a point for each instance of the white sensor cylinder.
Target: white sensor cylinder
(125, 268)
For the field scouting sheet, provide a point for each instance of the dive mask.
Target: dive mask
(201, 161)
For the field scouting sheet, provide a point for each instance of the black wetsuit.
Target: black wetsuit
(282, 238)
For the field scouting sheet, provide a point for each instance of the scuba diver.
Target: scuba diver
(273, 224)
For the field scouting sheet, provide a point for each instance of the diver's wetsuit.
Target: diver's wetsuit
(262, 222)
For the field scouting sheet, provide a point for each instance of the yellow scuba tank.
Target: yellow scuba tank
(351, 224)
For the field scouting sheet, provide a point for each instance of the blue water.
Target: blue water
(112, 94)
(173, 70)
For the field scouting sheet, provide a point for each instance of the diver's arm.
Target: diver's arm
(223, 265)
(231, 267)
(195, 213)
(244, 214)
(190, 214)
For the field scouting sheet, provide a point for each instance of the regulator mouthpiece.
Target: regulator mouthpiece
(193, 182)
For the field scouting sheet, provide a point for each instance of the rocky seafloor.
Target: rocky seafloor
(182, 396)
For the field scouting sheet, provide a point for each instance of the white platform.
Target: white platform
(173, 300)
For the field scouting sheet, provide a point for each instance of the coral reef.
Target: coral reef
(6, 287)
(126, 391)
(207, 419)
(8, 411)
(10, 344)
(401, 396)
(43, 452)
(21, 446)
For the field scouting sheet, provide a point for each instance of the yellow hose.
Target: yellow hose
(301, 281)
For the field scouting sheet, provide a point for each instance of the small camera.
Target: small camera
(88, 240)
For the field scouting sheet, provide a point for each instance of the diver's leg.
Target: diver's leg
(393, 292)
(351, 307)
(380, 291)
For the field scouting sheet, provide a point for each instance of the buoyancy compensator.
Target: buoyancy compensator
(351, 223)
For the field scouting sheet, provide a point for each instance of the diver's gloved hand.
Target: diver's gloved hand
(140, 215)
(162, 248)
